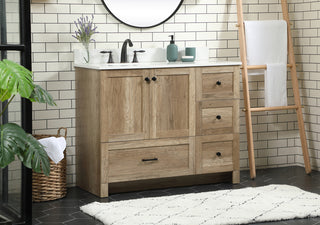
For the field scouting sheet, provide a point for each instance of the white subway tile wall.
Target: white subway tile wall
(197, 23)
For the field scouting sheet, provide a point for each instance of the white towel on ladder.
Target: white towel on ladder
(266, 43)
(276, 85)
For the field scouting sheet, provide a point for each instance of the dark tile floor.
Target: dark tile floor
(66, 211)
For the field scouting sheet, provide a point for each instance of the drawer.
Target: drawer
(213, 118)
(218, 82)
(149, 162)
(216, 117)
(215, 154)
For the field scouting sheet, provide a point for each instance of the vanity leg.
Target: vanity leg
(104, 191)
(236, 154)
(236, 177)
(104, 168)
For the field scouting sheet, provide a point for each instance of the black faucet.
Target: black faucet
(124, 50)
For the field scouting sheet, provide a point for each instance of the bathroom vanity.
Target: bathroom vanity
(155, 120)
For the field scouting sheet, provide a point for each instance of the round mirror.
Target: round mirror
(142, 13)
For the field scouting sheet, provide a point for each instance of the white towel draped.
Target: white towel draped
(54, 147)
(276, 85)
(267, 45)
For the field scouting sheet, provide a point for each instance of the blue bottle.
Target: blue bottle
(172, 51)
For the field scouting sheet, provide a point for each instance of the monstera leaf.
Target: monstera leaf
(4, 95)
(35, 157)
(15, 141)
(42, 96)
(14, 79)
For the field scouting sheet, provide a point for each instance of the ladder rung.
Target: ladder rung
(260, 109)
(238, 25)
(257, 67)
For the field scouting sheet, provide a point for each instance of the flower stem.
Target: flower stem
(88, 54)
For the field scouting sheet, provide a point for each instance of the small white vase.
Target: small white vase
(79, 55)
(95, 56)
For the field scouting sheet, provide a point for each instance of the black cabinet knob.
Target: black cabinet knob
(218, 82)
(218, 154)
(218, 117)
(154, 78)
(147, 79)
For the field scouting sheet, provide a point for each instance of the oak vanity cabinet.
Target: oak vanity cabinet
(141, 124)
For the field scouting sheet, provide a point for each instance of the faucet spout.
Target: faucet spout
(124, 56)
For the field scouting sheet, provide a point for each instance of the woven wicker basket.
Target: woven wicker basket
(47, 188)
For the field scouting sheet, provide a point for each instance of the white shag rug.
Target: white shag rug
(238, 206)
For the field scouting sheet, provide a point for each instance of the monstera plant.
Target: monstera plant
(14, 141)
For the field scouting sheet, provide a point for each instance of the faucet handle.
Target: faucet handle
(135, 58)
(110, 56)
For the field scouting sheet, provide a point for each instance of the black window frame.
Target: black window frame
(26, 106)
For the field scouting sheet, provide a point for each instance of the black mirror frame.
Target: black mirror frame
(178, 7)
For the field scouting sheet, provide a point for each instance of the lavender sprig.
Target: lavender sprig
(85, 29)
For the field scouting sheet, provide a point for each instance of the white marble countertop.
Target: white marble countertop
(153, 65)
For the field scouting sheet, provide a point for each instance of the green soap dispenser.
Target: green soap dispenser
(172, 51)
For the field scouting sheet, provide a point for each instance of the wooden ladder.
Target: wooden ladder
(248, 110)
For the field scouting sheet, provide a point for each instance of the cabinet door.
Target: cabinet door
(173, 103)
(124, 105)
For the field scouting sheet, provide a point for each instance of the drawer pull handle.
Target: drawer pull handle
(218, 83)
(147, 79)
(154, 78)
(148, 160)
(218, 117)
(218, 154)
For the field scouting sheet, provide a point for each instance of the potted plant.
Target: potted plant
(14, 141)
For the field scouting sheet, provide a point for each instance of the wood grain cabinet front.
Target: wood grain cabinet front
(217, 117)
(143, 104)
(217, 82)
(215, 153)
(152, 159)
(217, 120)
(141, 124)
(124, 105)
(173, 103)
